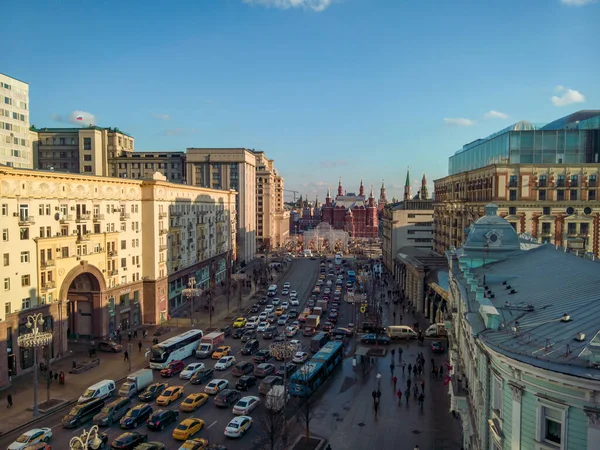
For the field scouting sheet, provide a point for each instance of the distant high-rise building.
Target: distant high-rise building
(15, 139)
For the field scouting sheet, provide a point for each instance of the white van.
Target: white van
(272, 292)
(102, 389)
(401, 332)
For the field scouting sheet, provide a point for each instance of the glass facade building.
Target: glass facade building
(573, 139)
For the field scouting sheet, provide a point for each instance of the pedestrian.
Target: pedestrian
(140, 346)
(394, 317)
(399, 396)
(9, 400)
(129, 335)
(393, 353)
(422, 385)
(416, 447)
(441, 371)
(50, 375)
(126, 356)
(135, 334)
(407, 395)
(400, 354)
(408, 383)
(415, 371)
(74, 364)
(421, 400)
(90, 352)
(392, 368)
(56, 374)
(403, 367)
(409, 369)
(394, 380)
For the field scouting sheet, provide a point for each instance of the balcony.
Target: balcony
(26, 220)
(48, 285)
(162, 248)
(46, 264)
(113, 273)
(98, 217)
(83, 237)
(162, 215)
(66, 219)
(125, 216)
(513, 184)
(163, 231)
(112, 254)
(82, 217)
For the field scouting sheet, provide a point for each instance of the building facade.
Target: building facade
(138, 165)
(77, 250)
(15, 139)
(525, 348)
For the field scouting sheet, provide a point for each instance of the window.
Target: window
(592, 195)
(561, 181)
(512, 210)
(25, 280)
(6, 259)
(24, 233)
(551, 426)
(7, 284)
(24, 257)
(87, 143)
(546, 211)
(5, 234)
(573, 194)
(543, 181)
(512, 195)
(7, 308)
(592, 181)
(123, 244)
(584, 228)
(571, 228)
(497, 395)
(560, 195)
(26, 303)
(5, 209)
(123, 262)
(542, 195)
(87, 157)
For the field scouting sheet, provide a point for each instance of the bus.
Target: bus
(330, 355)
(175, 348)
(338, 259)
(307, 379)
(352, 276)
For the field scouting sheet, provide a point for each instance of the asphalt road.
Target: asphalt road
(302, 276)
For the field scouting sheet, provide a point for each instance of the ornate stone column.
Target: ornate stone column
(517, 395)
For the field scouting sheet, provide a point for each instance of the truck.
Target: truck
(302, 317)
(436, 329)
(322, 304)
(313, 321)
(209, 343)
(317, 311)
(136, 382)
(276, 398)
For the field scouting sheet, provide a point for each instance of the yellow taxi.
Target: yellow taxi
(187, 429)
(221, 351)
(169, 395)
(240, 322)
(193, 401)
(279, 311)
(195, 444)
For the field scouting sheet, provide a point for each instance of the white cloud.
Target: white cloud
(161, 116)
(80, 118)
(459, 122)
(567, 97)
(493, 114)
(313, 5)
(577, 2)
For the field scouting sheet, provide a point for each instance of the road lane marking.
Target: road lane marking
(210, 426)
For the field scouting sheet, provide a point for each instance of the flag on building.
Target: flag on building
(79, 117)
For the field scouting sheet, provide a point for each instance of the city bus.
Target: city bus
(307, 379)
(338, 259)
(175, 348)
(352, 276)
(330, 355)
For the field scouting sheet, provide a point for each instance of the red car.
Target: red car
(172, 368)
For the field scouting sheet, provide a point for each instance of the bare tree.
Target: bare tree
(271, 430)
(306, 406)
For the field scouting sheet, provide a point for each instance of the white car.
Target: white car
(291, 331)
(262, 326)
(263, 316)
(287, 285)
(285, 292)
(252, 323)
(245, 405)
(300, 357)
(294, 301)
(31, 437)
(269, 309)
(293, 294)
(296, 342)
(225, 362)
(285, 305)
(191, 370)
(216, 386)
(276, 301)
(238, 426)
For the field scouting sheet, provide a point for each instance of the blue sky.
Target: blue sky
(351, 88)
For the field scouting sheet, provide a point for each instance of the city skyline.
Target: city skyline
(326, 88)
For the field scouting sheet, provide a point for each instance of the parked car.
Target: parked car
(33, 436)
(128, 441)
(437, 347)
(159, 419)
(109, 346)
(201, 376)
(372, 339)
(245, 382)
(174, 367)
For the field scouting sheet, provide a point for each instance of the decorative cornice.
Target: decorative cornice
(517, 391)
(593, 415)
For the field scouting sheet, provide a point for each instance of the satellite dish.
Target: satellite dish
(57, 216)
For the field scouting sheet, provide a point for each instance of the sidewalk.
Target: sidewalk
(112, 366)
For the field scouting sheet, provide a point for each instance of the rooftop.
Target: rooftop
(531, 291)
(412, 205)
(76, 129)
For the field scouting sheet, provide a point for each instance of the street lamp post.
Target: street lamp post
(86, 440)
(35, 340)
(191, 293)
(284, 350)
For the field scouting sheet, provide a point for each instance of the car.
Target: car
(285, 292)
(437, 347)
(296, 323)
(286, 370)
(279, 311)
(187, 428)
(128, 441)
(293, 294)
(263, 370)
(159, 419)
(249, 335)
(193, 401)
(250, 347)
(294, 301)
(327, 327)
(136, 416)
(262, 326)
(287, 285)
(252, 323)
(169, 395)
(262, 316)
(280, 338)
(283, 319)
(261, 356)
(276, 301)
(271, 318)
(215, 386)
(196, 444)
(152, 392)
(264, 300)
(238, 333)
(109, 346)
(296, 342)
(311, 303)
(285, 305)
(308, 331)
(343, 332)
(201, 376)
(291, 331)
(269, 309)
(191, 370)
(221, 351)
(372, 339)
(270, 332)
(32, 436)
(300, 357)
(240, 322)
(227, 397)
(172, 368)
(292, 313)
(245, 405)
(242, 368)
(226, 331)
(225, 362)
(238, 426)
(255, 308)
(245, 382)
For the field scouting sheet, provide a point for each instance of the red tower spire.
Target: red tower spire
(340, 190)
(361, 190)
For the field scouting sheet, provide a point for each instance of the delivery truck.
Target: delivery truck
(136, 382)
(313, 321)
(436, 330)
(323, 305)
(209, 343)
(317, 311)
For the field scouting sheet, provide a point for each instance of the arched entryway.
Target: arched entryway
(82, 288)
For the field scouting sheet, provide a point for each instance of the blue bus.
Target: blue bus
(330, 355)
(307, 379)
(352, 276)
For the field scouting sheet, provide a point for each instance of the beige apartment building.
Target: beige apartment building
(406, 224)
(15, 139)
(130, 164)
(554, 203)
(94, 254)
